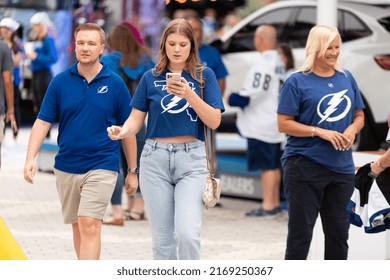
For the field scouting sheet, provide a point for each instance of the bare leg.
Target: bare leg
(137, 211)
(270, 180)
(90, 237)
(76, 239)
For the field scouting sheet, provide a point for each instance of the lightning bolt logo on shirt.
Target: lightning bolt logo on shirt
(173, 104)
(334, 106)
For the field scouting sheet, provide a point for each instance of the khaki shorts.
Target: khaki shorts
(85, 194)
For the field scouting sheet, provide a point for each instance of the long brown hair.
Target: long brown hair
(122, 39)
(182, 27)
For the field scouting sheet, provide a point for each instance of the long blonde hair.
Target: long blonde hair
(319, 39)
(182, 27)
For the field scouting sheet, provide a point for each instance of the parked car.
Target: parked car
(365, 32)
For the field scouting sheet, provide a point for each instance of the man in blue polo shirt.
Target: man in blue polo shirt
(208, 55)
(86, 98)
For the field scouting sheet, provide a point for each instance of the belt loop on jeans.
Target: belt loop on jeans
(154, 145)
(187, 148)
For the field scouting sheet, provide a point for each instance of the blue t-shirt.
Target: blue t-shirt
(210, 57)
(325, 102)
(85, 110)
(169, 115)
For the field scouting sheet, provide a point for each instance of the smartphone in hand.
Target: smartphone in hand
(173, 77)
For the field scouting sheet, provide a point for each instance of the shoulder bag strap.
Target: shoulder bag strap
(209, 144)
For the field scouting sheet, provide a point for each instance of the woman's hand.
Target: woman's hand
(179, 88)
(338, 140)
(376, 167)
(131, 183)
(115, 132)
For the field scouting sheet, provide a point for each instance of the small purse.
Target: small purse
(213, 187)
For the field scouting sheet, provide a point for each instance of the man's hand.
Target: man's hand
(30, 169)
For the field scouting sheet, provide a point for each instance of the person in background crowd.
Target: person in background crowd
(8, 29)
(43, 56)
(85, 98)
(208, 55)
(130, 60)
(210, 24)
(258, 100)
(6, 91)
(321, 109)
(287, 56)
(134, 31)
(173, 167)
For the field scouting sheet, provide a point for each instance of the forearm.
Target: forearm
(384, 161)
(210, 116)
(37, 136)
(134, 123)
(357, 124)
(381, 163)
(9, 95)
(294, 128)
(130, 149)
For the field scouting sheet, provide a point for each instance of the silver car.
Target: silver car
(365, 31)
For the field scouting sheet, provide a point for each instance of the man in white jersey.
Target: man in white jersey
(257, 121)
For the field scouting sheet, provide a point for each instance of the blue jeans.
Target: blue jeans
(172, 179)
(311, 189)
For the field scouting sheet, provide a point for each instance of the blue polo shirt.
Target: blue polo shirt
(210, 57)
(85, 110)
(169, 115)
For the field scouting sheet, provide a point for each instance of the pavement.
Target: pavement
(33, 215)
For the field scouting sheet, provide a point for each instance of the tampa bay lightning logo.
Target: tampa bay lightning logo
(102, 90)
(337, 106)
(173, 104)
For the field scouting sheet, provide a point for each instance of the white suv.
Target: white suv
(365, 31)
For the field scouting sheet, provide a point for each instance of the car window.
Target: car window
(385, 22)
(293, 25)
(305, 20)
(351, 27)
(242, 41)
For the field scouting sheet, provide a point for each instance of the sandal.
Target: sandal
(135, 216)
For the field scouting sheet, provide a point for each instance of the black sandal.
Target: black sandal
(135, 216)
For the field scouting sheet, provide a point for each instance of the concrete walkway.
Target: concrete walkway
(32, 213)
